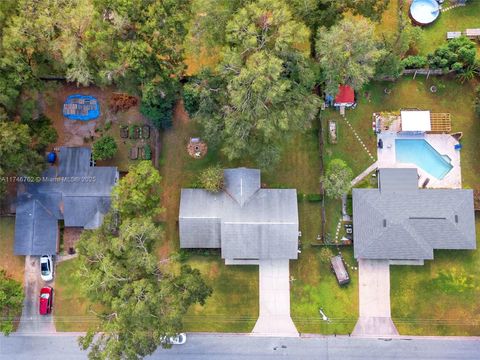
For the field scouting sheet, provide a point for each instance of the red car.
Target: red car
(46, 300)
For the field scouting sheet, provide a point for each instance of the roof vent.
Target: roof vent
(456, 219)
(384, 222)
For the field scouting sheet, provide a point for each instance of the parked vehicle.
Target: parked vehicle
(46, 267)
(179, 339)
(339, 269)
(46, 300)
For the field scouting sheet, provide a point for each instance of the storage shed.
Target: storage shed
(340, 270)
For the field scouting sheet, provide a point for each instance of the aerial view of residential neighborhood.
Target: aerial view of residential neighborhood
(239, 179)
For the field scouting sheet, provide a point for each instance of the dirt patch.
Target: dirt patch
(71, 235)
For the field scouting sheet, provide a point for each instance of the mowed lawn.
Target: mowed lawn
(458, 19)
(72, 308)
(13, 265)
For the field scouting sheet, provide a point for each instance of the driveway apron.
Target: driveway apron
(374, 298)
(274, 319)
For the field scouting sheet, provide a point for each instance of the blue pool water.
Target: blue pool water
(422, 154)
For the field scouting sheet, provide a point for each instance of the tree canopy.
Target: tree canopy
(104, 148)
(347, 54)
(138, 193)
(337, 179)
(264, 91)
(11, 302)
(17, 157)
(143, 298)
(211, 178)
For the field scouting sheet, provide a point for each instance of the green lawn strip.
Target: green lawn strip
(233, 306)
(458, 19)
(423, 306)
(314, 287)
(13, 265)
(71, 307)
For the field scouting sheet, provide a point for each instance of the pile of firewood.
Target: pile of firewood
(122, 102)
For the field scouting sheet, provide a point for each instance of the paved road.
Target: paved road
(374, 299)
(274, 291)
(31, 322)
(225, 347)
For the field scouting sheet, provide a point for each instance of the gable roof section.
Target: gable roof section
(74, 191)
(398, 179)
(241, 183)
(244, 221)
(36, 228)
(409, 224)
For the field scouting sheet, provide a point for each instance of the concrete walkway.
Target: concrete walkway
(274, 292)
(374, 299)
(364, 173)
(31, 322)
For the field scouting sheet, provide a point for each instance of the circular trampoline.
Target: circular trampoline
(424, 12)
(81, 107)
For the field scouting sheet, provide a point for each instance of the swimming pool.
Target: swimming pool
(422, 154)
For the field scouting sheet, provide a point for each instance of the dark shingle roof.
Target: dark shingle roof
(407, 223)
(75, 192)
(247, 222)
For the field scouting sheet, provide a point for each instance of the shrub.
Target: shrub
(454, 281)
(325, 255)
(415, 62)
(314, 197)
(211, 178)
(104, 148)
(148, 152)
(336, 181)
(477, 101)
(300, 196)
(191, 99)
(458, 54)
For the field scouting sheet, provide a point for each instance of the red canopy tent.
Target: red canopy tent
(345, 96)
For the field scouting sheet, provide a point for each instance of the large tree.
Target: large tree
(17, 158)
(264, 91)
(347, 54)
(11, 301)
(138, 193)
(143, 300)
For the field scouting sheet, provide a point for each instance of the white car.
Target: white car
(46, 267)
(179, 339)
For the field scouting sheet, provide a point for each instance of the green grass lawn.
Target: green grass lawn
(422, 305)
(13, 265)
(71, 306)
(458, 19)
(233, 306)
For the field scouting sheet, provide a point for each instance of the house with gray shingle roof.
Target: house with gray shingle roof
(246, 222)
(75, 192)
(400, 222)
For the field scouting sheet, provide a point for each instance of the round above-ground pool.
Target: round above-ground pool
(424, 12)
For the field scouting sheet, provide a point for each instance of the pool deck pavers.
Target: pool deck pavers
(442, 143)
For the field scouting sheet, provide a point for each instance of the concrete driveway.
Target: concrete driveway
(274, 319)
(374, 299)
(31, 322)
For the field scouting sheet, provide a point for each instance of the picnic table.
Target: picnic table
(453, 34)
